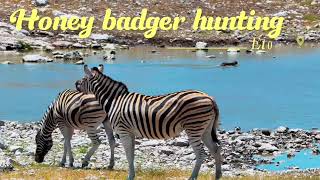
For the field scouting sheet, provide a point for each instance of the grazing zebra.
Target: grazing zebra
(73, 110)
(156, 117)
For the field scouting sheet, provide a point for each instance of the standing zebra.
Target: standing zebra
(156, 117)
(73, 110)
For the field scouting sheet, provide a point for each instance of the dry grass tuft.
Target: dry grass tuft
(56, 173)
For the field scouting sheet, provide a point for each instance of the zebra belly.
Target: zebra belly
(122, 128)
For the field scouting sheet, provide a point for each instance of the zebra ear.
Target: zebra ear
(87, 70)
(101, 68)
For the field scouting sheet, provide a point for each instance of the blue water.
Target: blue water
(303, 160)
(263, 92)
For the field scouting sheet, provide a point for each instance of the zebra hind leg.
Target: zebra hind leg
(210, 140)
(92, 133)
(197, 146)
(64, 156)
(127, 140)
(112, 142)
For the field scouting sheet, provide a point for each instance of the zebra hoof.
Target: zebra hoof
(61, 164)
(71, 165)
(110, 167)
(218, 176)
(85, 164)
(130, 178)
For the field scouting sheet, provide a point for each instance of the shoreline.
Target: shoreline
(239, 150)
(13, 40)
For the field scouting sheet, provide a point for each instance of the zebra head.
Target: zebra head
(43, 147)
(84, 85)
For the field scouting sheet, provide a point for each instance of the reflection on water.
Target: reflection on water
(262, 92)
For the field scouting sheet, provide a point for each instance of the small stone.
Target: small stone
(151, 143)
(248, 51)
(201, 45)
(291, 154)
(237, 129)
(5, 164)
(81, 62)
(49, 48)
(96, 46)
(266, 132)
(74, 55)
(233, 50)
(166, 151)
(78, 45)
(124, 47)
(2, 145)
(267, 147)
(31, 172)
(41, 2)
(100, 37)
(181, 142)
(281, 13)
(36, 58)
(7, 62)
(317, 137)
(62, 44)
(282, 129)
(315, 151)
(14, 148)
(260, 52)
(211, 56)
(2, 123)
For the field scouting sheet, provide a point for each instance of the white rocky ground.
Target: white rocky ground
(17, 145)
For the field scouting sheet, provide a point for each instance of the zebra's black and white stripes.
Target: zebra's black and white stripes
(156, 117)
(73, 110)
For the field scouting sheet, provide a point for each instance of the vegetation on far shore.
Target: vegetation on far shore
(50, 172)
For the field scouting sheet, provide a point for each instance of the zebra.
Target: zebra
(156, 117)
(73, 110)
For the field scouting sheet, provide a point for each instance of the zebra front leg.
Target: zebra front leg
(127, 141)
(92, 133)
(112, 142)
(67, 135)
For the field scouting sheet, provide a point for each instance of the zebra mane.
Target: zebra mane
(110, 79)
(46, 114)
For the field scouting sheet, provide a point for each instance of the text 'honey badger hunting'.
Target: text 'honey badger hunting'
(156, 117)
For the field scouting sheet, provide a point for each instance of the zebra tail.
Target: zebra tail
(216, 122)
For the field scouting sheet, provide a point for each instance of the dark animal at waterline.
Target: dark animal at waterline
(229, 64)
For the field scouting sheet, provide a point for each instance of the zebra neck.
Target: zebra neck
(109, 92)
(48, 123)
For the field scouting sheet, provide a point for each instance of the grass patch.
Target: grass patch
(75, 174)
(24, 46)
(83, 149)
(50, 172)
(310, 17)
